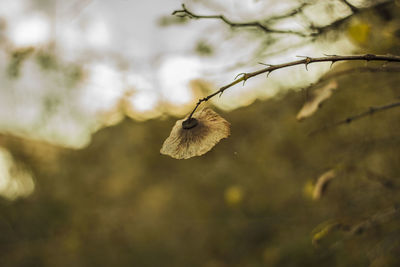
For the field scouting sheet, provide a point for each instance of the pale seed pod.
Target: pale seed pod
(197, 136)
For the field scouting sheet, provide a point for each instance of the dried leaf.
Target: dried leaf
(322, 183)
(186, 143)
(318, 97)
(323, 230)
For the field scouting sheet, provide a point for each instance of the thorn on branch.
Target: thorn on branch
(332, 62)
(307, 61)
(242, 73)
(305, 57)
(330, 55)
(184, 8)
(268, 65)
(244, 77)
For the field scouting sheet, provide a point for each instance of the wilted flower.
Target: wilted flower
(196, 136)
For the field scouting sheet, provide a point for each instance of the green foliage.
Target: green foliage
(204, 49)
(16, 60)
(166, 21)
(46, 60)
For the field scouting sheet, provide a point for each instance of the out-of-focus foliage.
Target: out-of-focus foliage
(118, 202)
(16, 60)
(202, 48)
(171, 20)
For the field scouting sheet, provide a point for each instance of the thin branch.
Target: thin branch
(384, 181)
(379, 218)
(315, 30)
(348, 120)
(184, 12)
(306, 61)
(289, 14)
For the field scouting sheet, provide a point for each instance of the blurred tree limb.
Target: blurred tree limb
(348, 120)
(184, 12)
(312, 30)
(377, 219)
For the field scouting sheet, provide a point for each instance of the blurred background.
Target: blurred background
(90, 89)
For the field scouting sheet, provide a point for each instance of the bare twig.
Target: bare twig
(307, 60)
(184, 12)
(361, 115)
(313, 31)
(379, 218)
(384, 181)
(289, 14)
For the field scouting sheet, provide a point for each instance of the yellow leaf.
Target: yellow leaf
(359, 32)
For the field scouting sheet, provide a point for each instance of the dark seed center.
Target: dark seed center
(189, 123)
